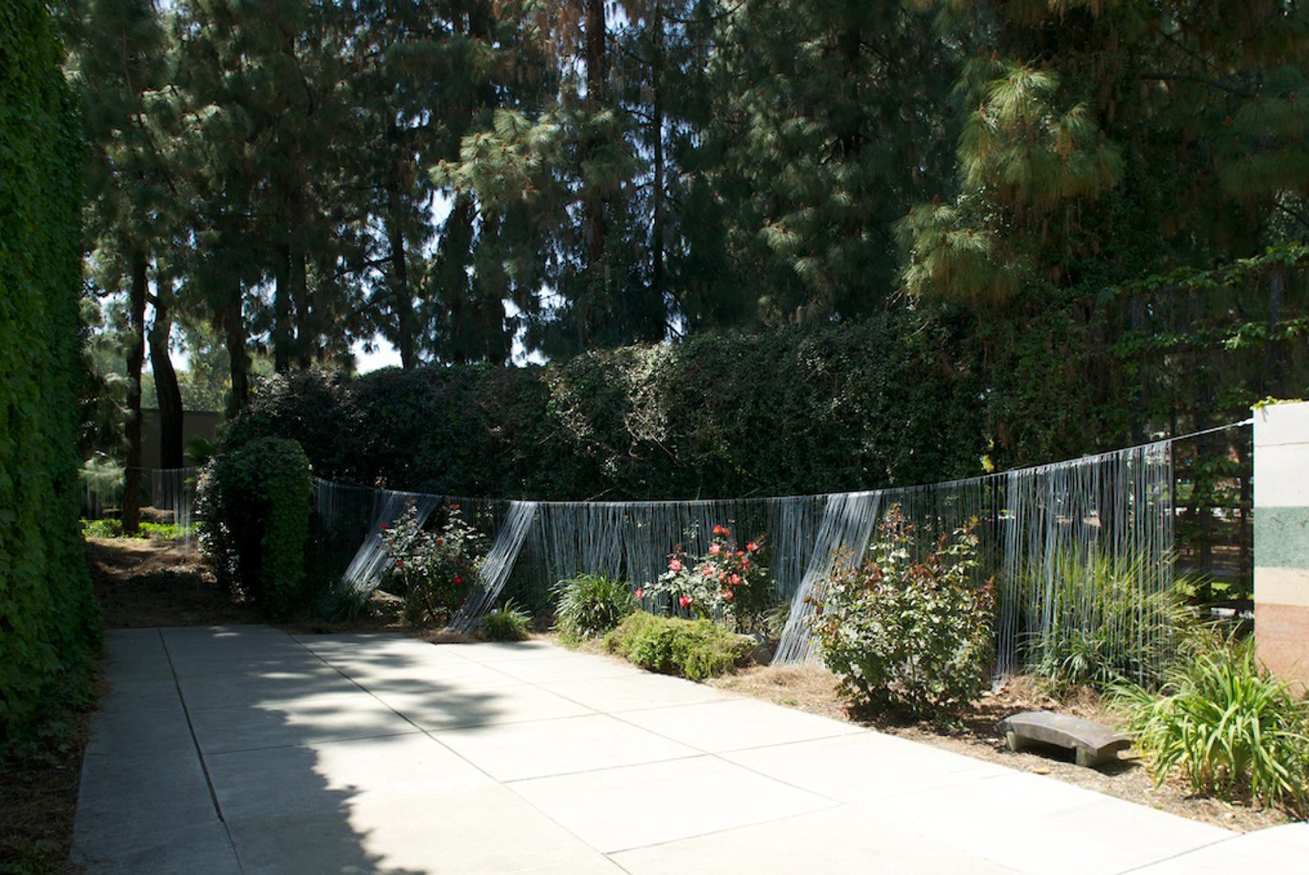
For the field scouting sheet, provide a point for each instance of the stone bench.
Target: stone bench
(1095, 743)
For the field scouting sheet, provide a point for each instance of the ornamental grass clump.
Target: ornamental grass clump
(905, 633)
(1227, 727)
(1103, 621)
(590, 605)
(728, 583)
(508, 622)
(433, 571)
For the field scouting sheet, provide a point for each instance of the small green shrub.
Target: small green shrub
(434, 571)
(590, 605)
(254, 503)
(1230, 728)
(909, 634)
(507, 623)
(695, 649)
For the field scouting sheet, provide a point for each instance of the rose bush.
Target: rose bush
(434, 571)
(729, 583)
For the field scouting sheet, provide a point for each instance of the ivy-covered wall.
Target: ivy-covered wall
(48, 623)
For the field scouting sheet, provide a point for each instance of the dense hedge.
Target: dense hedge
(866, 405)
(48, 623)
(255, 500)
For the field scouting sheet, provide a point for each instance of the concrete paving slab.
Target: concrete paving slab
(1280, 849)
(490, 652)
(330, 717)
(324, 777)
(204, 849)
(515, 751)
(839, 841)
(486, 830)
(135, 654)
(142, 795)
(864, 766)
(439, 708)
(515, 774)
(415, 678)
(618, 694)
(579, 667)
(140, 718)
(273, 687)
(736, 724)
(637, 806)
(1039, 819)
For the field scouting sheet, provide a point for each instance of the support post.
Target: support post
(1281, 539)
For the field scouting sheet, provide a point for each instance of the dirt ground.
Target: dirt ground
(153, 583)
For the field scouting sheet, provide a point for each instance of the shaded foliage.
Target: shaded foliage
(49, 627)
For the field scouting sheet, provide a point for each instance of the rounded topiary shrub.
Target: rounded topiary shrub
(254, 503)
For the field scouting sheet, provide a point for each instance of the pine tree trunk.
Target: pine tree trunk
(657, 122)
(171, 455)
(282, 343)
(593, 201)
(135, 364)
(238, 358)
(395, 233)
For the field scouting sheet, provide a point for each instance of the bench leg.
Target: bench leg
(1014, 741)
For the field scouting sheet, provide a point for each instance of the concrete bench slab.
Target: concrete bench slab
(1095, 743)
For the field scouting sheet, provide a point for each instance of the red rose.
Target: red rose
(459, 581)
(684, 600)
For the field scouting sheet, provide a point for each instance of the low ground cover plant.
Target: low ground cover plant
(433, 570)
(908, 633)
(112, 528)
(590, 605)
(694, 649)
(1226, 726)
(729, 582)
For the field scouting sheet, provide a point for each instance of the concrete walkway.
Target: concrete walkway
(245, 750)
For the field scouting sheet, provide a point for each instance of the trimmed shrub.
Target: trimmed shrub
(906, 633)
(798, 411)
(590, 605)
(254, 501)
(694, 649)
(1227, 726)
(506, 623)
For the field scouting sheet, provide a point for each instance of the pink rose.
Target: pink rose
(734, 580)
(740, 553)
(719, 530)
(640, 594)
(752, 547)
(675, 565)
(714, 549)
(727, 595)
(684, 600)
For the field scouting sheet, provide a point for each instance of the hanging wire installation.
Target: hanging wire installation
(1067, 544)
